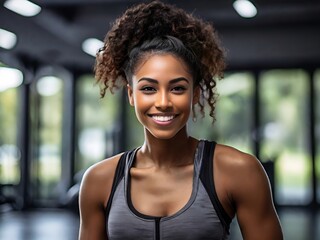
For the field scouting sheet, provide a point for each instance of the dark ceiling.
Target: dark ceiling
(284, 33)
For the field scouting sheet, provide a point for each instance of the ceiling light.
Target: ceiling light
(91, 46)
(7, 39)
(22, 7)
(10, 78)
(245, 8)
(49, 85)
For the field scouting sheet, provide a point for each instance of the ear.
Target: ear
(196, 95)
(130, 95)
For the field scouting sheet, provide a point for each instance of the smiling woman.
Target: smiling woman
(162, 94)
(173, 186)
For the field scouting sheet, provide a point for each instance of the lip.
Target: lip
(163, 119)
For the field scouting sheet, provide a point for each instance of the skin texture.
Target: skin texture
(161, 179)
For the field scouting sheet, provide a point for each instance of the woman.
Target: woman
(174, 186)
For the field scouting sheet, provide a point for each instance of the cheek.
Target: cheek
(188, 99)
(184, 103)
(142, 101)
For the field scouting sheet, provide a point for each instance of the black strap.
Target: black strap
(206, 177)
(119, 173)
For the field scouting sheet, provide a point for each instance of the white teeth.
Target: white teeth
(163, 118)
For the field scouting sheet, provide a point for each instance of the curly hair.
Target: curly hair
(147, 21)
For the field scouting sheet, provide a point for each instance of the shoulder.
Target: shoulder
(242, 172)
(232, 158)
(246, 184)
(102, 169)
(97, 180)
(94, 194)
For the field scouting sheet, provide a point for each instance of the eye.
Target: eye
(179, 89)
(147, 89)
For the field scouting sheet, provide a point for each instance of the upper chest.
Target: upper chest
(160, 192)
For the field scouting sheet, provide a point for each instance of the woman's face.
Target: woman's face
(162, 94)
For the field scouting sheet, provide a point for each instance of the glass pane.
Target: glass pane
(135, 130)
(9, 152)
(96, 124)
(317, 128)
(234, 113)
(284, 116)
(46, 171)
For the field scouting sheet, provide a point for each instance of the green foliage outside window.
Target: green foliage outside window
(284, 116)
(9, 153)
(234, 113)
(96, 123)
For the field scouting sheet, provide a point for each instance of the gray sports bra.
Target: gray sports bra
(203, 217)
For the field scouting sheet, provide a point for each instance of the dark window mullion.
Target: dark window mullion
(312, 122)
(256, 116)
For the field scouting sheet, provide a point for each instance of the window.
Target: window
(135, 129)
(96, 123)
(10, 79)
(47, 108)
(234, 113)
(285, 117)
(9, 153)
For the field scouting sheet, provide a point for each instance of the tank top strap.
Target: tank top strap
(118, 176)
(207, 178)
(129, 161)
(198, 159)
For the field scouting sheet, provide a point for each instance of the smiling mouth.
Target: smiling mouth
(163, 118)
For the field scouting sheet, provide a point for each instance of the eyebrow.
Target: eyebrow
(151, 80)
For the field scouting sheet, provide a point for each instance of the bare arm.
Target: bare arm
(253, 201)
(94, 193)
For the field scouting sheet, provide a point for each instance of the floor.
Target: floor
(297, 224)
(45, 224)
(49, 224)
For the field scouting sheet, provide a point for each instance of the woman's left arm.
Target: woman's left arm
(252, 197)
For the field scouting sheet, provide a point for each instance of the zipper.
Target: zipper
(157, 226)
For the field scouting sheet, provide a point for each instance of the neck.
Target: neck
(166, 153)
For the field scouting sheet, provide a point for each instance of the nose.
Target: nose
(163, 100)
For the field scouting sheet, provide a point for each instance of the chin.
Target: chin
(163, 137)
(163, 134)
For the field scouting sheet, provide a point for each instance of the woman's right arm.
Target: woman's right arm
(94, 194)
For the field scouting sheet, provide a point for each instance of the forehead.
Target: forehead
(163, 64)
